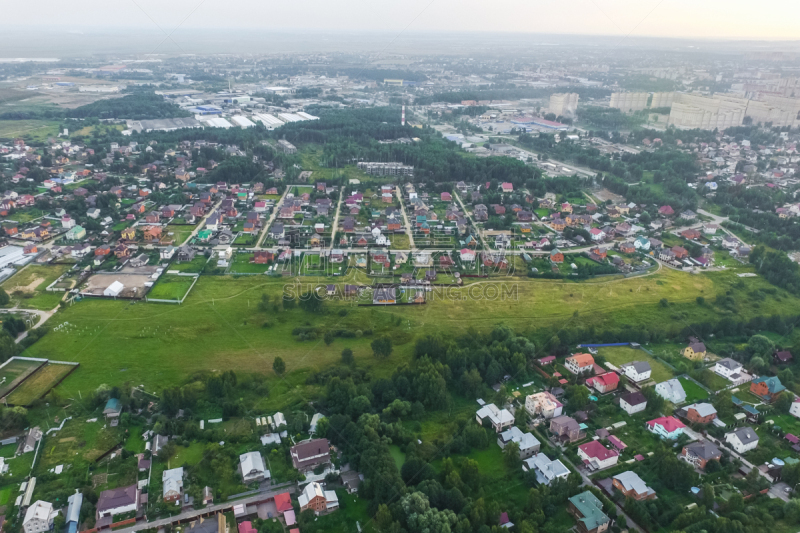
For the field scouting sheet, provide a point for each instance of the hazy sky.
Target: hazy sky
(765, 19)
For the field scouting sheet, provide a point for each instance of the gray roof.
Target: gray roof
(730, 364)
(703, 409)
(631, 481)
(640, 366)
(704, 450)
(745, 434)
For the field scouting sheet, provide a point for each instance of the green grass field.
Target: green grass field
(694, 392)
(179, 233)
(77, 440)
(31, 130)
(241, 265)
(195, 266)
(618, 355)
(219, 326)
(38, 384)
(27, 287)
(14, 372)
(171, 287)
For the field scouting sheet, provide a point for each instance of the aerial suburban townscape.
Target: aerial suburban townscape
(413, 283)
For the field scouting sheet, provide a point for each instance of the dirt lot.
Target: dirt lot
(132, 278)
(605, 194)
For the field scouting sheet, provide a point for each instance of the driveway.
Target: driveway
(778, 490)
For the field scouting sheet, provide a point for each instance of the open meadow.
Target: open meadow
(221, 327)
(27, 287)
(39, 384)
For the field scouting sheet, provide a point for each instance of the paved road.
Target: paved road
(270, 220)
(195, 513)
(405, 217)
(43, 317)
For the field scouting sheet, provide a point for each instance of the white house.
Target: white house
(727, 367)
(546, 470)
(499, 418)
(580, 363)
(633, 402)
(94, 212)
(637, 370)
(742, 439)
(39, 517)
(671, 390)
(597, 234)
(528, 444)
(794, 410)
(172, 484)
(251, 466)
(543, 404)
(168, 252)
(641, 243)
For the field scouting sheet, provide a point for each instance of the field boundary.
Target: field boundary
(179, 302)
(22, 377)
(25, 378)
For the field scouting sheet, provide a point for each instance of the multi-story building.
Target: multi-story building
(386, 169)
(564, 104)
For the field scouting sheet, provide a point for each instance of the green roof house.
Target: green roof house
(75, 234)
(204, 234)
(588, 511)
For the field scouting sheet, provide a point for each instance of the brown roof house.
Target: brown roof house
(566, 429)
(310, 454)
(118, 501)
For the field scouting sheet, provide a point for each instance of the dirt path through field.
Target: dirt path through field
(30, 287)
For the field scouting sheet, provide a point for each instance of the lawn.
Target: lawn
(398, 455)
(5, 495)
(694, 392)
(195, 266)
(171, 287)
(189, 455)
(14, 372)
(77, 440)
(38, 384)
(241, 265)
(27, 287)
(179, 233)
(618, 355)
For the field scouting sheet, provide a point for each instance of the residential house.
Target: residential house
(742, 439)
(172, 484)
(680, 252)
(666, 427)
(39, 517)
(118, 501)
(309, 454)
(546, 470)
(794, 410)
(701, 413)
(632, 486)
(317, 500)
(637, 371)
(695, 351)
(732, 370)
(251, 467)
(782, 357)
(113, 408)
(385, 296)
(596, 456)
(566, 429)
(543, 404)
(588, 511)
(699, 453)
(528, 444)
(498, 418)
(767, 388)
(73, 516)
(633, 402)
(604, 383)
(580, 363)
